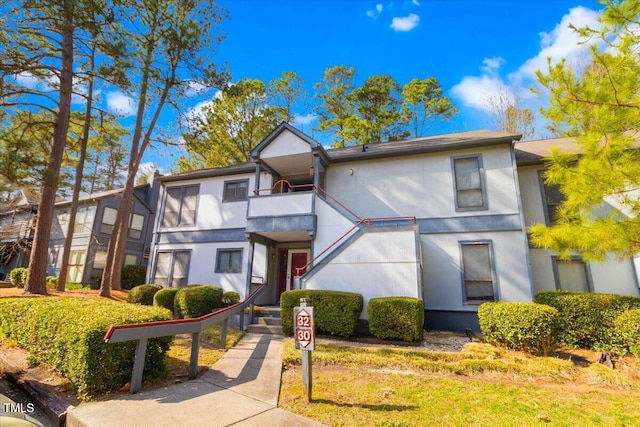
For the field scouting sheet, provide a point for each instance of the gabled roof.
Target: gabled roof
(534, 152)
(284, 126)
(240, 168)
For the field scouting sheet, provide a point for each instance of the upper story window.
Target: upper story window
(136, 225)
(551, 197)
(108, 220)
(571, 275)
(470, 191)
(235, 191)
(84, 218)
(477, 271)
(180, 206)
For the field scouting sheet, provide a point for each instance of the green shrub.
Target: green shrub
(133, 275)
(73, 285)
(230, 298)
(335, 312)
(628, 330)
(18, 276)
(197, 300)
(67, 334)
(143, 294)
(586, 319)
(396, 318)
(52, 281)
(165, 298)
(521, 326)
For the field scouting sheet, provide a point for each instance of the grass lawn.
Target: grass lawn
(480, 386)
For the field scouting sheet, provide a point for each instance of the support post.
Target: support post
(195, 347)
(223, 334)
(138, 365)
(307, 374)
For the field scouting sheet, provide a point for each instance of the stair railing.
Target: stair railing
(141, 332)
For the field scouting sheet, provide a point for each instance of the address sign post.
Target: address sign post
(304, 337)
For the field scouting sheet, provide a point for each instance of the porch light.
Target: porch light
(311, 171)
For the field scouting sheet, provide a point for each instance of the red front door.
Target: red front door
(298, 261)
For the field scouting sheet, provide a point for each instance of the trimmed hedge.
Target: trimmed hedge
(230, 298)
(628, 330)
(143, 294)
(335, 312)
(18, 276)
(67, 334)
(197, 300)
(132, 276)
(396, 318)
(520, 326)
(165, 298)
(587, 319)
(52, 281)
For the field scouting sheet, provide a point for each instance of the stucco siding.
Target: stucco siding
(331, 226)
(285, 144)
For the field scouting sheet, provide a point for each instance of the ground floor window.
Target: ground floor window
(76, 266)
(229, 261)
(571, 275)
(477, 272)
(172, 268)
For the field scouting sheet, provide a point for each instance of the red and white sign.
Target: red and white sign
(303, 327)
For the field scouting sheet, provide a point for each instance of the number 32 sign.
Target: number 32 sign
(303, 328)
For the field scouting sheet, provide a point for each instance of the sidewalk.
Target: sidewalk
(241, 389)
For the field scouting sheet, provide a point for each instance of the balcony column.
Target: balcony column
(316, 170)
(257, 183)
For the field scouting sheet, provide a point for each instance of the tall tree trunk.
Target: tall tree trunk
(35, 283)
(62, 277)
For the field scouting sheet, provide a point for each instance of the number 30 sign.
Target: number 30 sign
(303, 325)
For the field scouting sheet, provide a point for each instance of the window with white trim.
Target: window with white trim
(180, 206)
(108, 220)
(469, 183)
(75, 266)
(84, 219)
(551, 197)
(571, 275)
(130, 259)
(172, 268)
(136, 225)
(235, 191)
(229, 261)
(477, 271)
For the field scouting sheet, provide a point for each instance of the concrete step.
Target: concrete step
(265, 329)
(268, 311)
(275, 321)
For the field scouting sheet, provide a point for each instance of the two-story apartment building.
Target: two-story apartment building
(17, 222)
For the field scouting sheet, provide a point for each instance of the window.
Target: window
(84, 219)
(135, 226)
(229, 261)
(469, 183)
(76, 266)
(108, 220)
(571, 275)
(477, 272)
(180, 206)
(235, 191)
(172, 268)
(100, 259)
(552, 197)
(130, 259)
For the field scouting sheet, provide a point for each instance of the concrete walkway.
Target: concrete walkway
(241, 389)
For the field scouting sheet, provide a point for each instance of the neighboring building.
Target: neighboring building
(441, 218)
(93, 227)
(95, 218)
(17, 224)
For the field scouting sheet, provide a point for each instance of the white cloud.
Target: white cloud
(374, 13)
(415, 2)
(197, 112)
(561, 43)
(305, 119)
(196, 88)
(121, 103)
(406, 23)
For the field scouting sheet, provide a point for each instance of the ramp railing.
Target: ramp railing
(141, 332)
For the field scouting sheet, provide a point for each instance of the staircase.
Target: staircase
(266, 320)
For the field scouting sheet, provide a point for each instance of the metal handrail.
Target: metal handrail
(368, 222)
(141, 332)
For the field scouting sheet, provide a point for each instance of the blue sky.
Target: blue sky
(473, 47)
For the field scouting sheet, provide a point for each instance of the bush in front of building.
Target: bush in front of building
(165, 298)
(132, 276)
(519, 326)
(143, 294)
(197, 300)
(68, 334)
(335, 312)
(396, 318)
(51, 281)
(587, 319)
(230, 298)
(18, 276)
(628, 331)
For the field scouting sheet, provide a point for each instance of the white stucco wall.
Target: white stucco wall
(421, 186)
(378, 264)
(443, 282)
(331, 226)
(285, 144)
